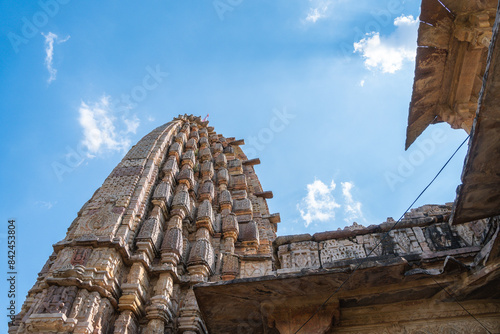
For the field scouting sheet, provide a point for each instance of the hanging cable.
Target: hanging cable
(383, 238)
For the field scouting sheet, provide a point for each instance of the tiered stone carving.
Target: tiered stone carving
(168, 216)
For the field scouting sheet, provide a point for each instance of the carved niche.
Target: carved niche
(298, 255)
(102, 222)
(59, 299)
(80, 256)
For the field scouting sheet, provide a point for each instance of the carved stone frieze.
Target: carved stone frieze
(296, 256)
(207, 191)
(170, 169)
(175, 151)
(221, 161)
(204, 154)
(230, 266)
(222, 177)
(172, 243)
(207, 169)
(181, 202)
(192, 144)
(202, 253)
(334, 250)
(255, 268)
(186, 176)
(242, 206)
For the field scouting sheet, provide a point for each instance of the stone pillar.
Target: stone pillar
(190, 317)
(149, 238)
(172, 247)
(201, 258)
(126, 323)
(160, 311)
(131, 303)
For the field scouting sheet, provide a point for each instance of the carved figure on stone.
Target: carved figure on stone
(440, 237)
(80, 256)
(59, 299)
(103, 221)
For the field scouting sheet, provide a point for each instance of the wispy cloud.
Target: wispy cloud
(318, 9)
(319, 203)
(50, 39)
(352, 208)
(389, 53)
(45, 205)
(131, 124)
(101, 128)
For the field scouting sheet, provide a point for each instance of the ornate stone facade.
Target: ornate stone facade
(184, 213)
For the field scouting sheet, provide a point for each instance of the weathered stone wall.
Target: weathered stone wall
(423, 234)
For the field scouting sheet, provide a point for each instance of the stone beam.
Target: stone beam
(479, 195)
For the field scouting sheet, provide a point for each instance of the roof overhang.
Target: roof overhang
(479, 195)
(285, 302)
(453, 39)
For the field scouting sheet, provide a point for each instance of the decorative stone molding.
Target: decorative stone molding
(334, 250)
(297, 256)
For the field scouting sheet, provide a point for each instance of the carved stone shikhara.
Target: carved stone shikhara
(162, 221)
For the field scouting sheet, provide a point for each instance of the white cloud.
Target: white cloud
(101, 130)
(362, 83)
(405, 20)
(389, 53)
(50, 38)
(352, 208)
(319, 203)
(318, 10)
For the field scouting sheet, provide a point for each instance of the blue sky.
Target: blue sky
(319, 90)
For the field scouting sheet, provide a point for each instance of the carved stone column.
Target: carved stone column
(131, 303)
(201, 258)
(126, 323)
(160, 311)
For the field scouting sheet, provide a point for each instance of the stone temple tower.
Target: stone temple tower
(184, 206)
